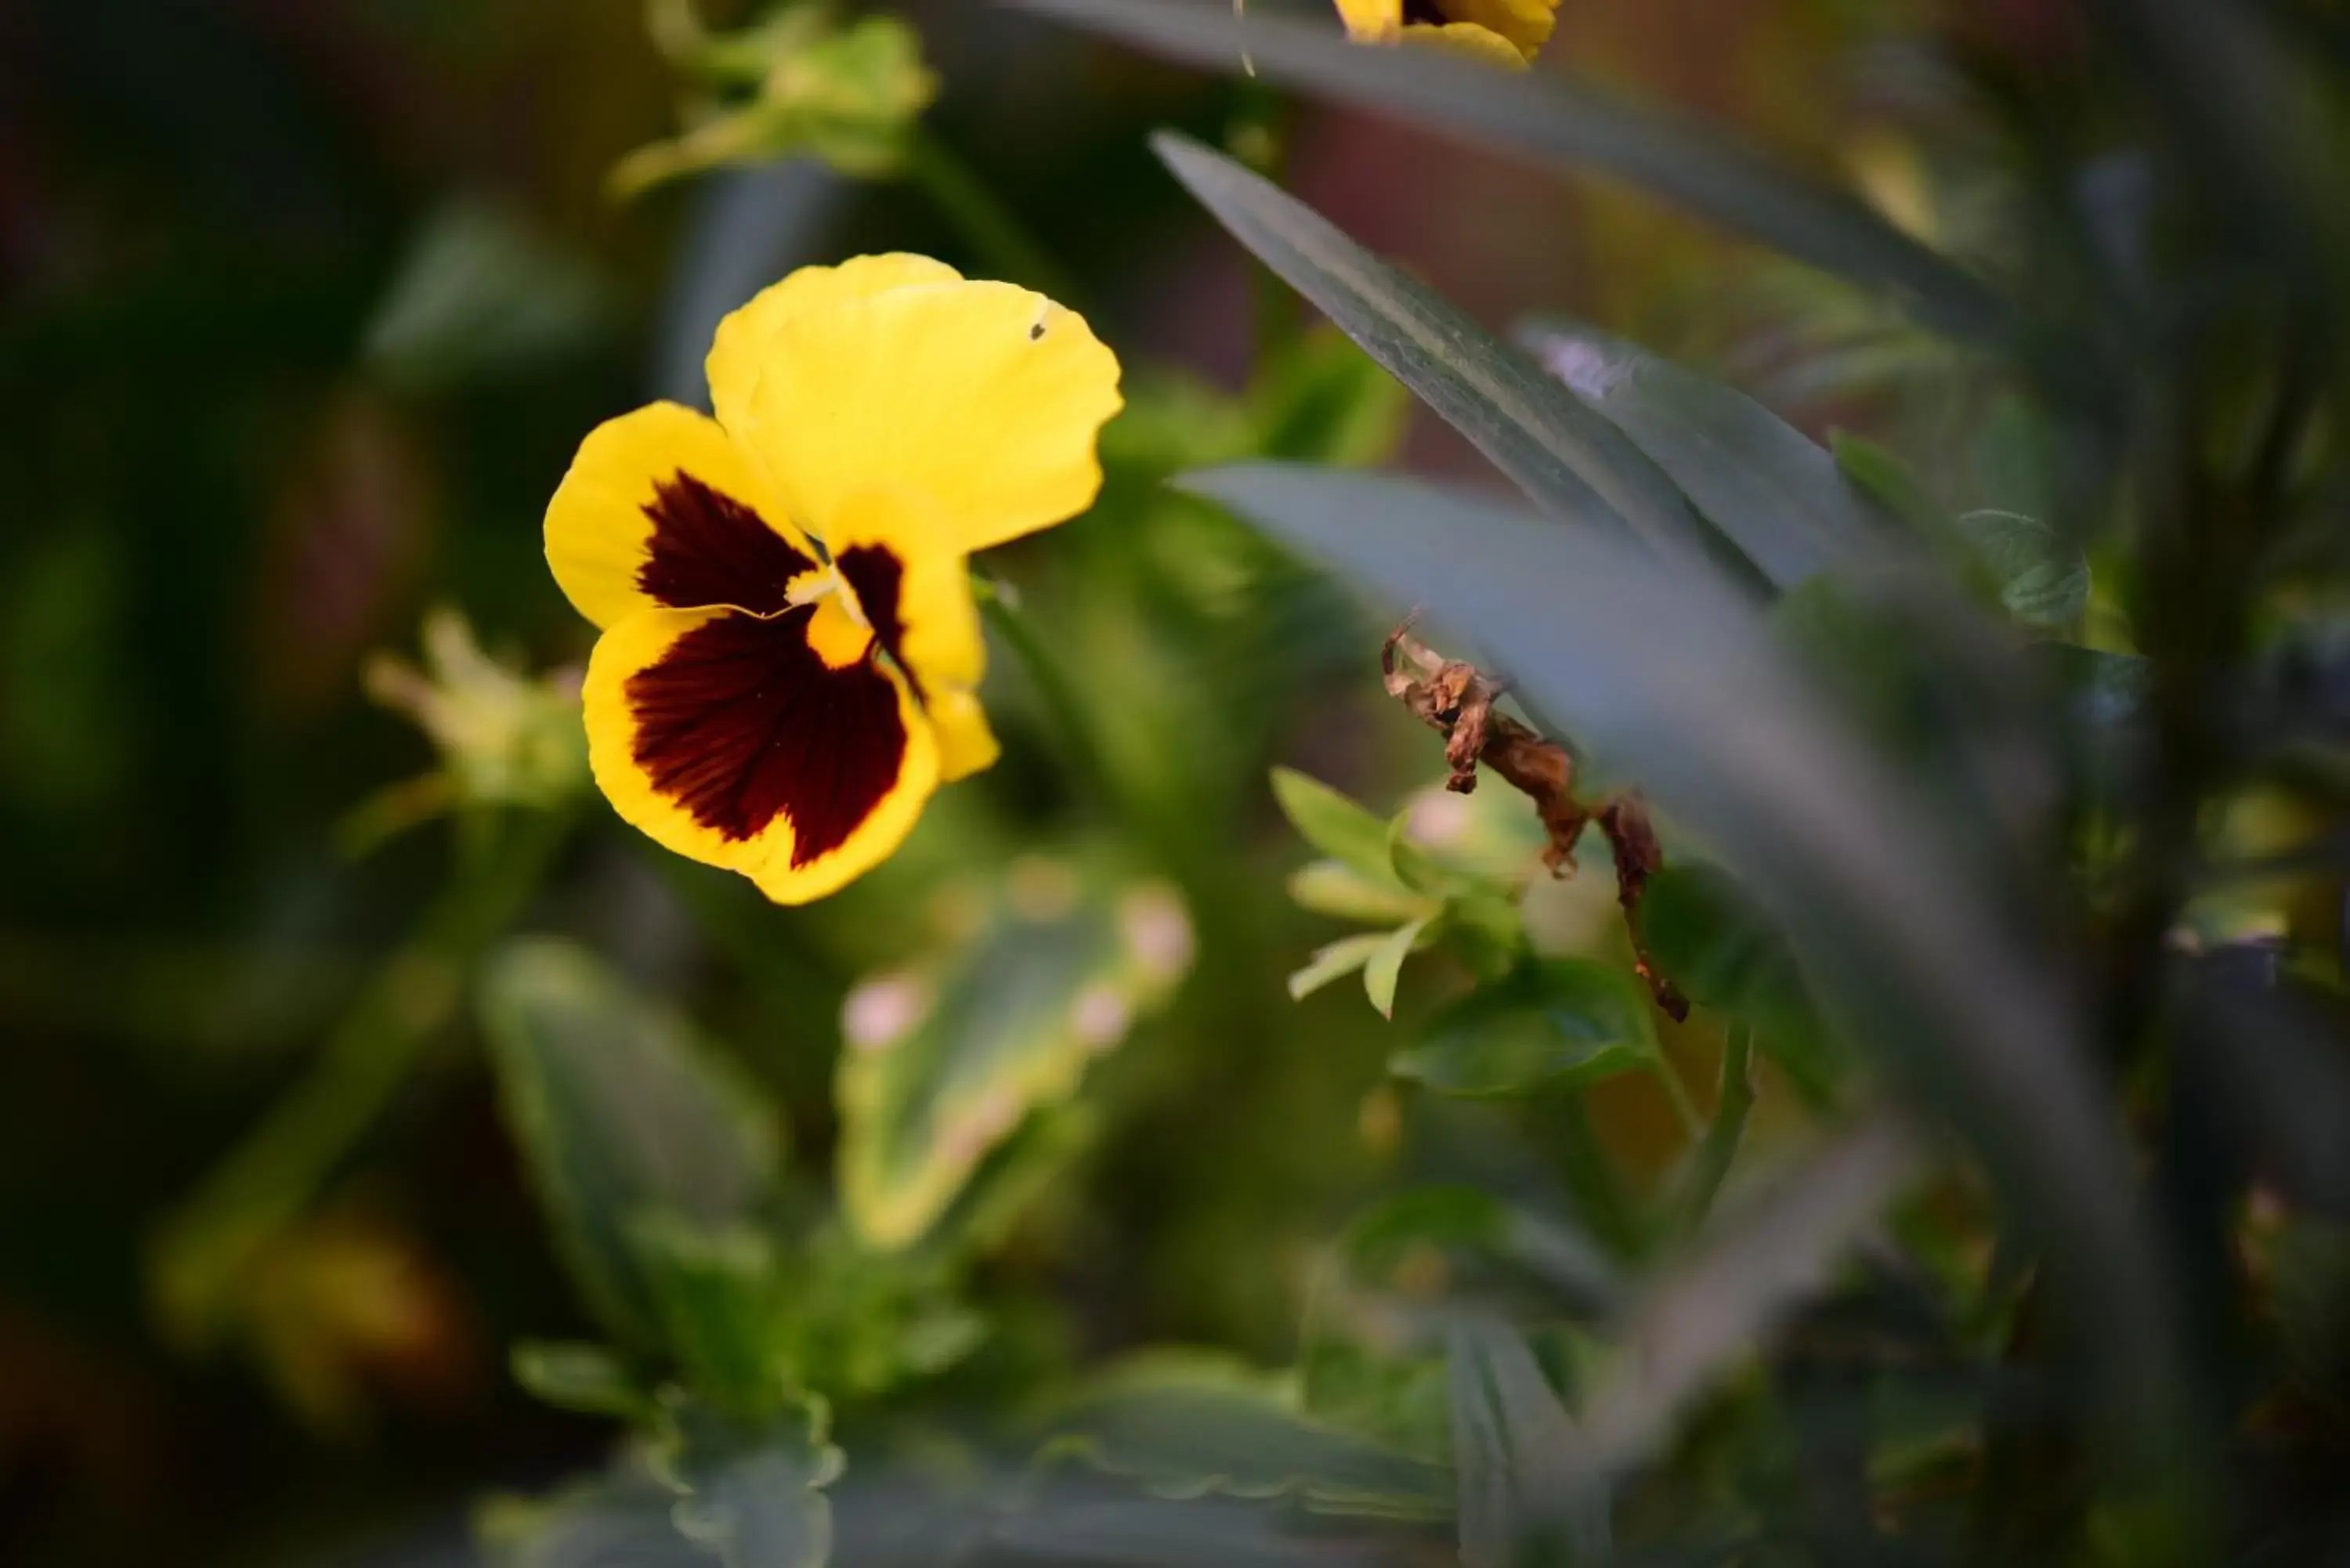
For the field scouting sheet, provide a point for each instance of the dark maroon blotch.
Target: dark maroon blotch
(880, 577)
(708, 548)
(742, 721)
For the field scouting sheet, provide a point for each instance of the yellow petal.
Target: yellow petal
(1371, 21)
(966, 744)
(1526, 25)
(983, 396)
(897, 551)
(728, 738)
(662, 509)
(1468, 38)
(742, 345)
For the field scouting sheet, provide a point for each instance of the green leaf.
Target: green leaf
(1674, 681)
(1528, 1489)
(720, 1293)
(2043, 578)
(1720, 1300)
(481, 295)
(622, 1517)
(1707, 936)
(1412, 866)
(1320, 399)
(751, 1492)
(1336, 827)
(1191, 1424)
(1567, 459)
(1891, 484)
(946, 1059)
(1774, 489)
(619, 1110)
(1552, 1022)
(1482, 1239)
(1552, 117)
(1384, 966)
(585, 1379)
(1335, 888)
(1334, 960)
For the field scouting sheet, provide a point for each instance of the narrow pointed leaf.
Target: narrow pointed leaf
(1557, 119)
(1772, 489)
(1720, 1301)
(1334, 961)
(1384, 967)
(1527, 1484)
(1676, 682)
(1569, 461)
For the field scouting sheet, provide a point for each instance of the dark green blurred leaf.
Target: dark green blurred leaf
(481, 295)
(1571, 461)
(720, 1293)
(1552, 1022)
(1528, 1489)
(1192, 1425)
(752, 1492)
(1708, 940)
(1576, 124)
(1476, 1231)
(1719, 1302)
(1885, 479)
(2043, 578)
(1772, 489)
(1675, 683)
(585, 1379)
(619, 1111)
(622, 1520)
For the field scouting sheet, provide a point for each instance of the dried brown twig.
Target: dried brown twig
(1456, 700)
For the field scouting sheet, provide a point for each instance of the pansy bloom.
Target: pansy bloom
(790, 650)
(1510, 32)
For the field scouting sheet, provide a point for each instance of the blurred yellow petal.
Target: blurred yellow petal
(1371, 21)
(744, 338)
(1467, 38)
(1525, 24)
(966, 744)
(733, 740)
(662, 510)
(983, 396)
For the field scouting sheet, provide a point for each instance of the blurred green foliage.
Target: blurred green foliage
(397, 1154)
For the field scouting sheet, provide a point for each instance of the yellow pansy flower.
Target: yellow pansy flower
(1508, 32)
(790, 650)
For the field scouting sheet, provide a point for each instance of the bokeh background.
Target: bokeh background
(303, 306)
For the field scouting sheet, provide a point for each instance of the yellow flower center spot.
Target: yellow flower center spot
(838, 634)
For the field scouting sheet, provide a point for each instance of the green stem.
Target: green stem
(266, 1181)
(1710, 1161)
(986, 223)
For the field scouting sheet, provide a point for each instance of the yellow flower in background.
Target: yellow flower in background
(791, 648)
(1508, 32)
